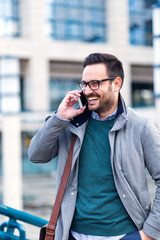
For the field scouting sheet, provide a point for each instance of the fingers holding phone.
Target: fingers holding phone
(66, 109)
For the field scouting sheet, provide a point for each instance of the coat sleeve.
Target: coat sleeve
(151, 145)
(44, 145)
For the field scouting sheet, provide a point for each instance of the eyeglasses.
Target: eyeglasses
(93, 84)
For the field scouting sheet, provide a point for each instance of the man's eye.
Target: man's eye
(94, 83)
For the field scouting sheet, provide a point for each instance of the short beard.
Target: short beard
(107, 105)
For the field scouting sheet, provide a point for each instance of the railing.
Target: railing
(7, 228)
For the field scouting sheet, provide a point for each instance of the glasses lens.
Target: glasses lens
(94, 85)
(81, 85)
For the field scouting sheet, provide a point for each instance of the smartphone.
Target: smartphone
(82, 100)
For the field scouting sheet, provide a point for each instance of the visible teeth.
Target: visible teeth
(91, 98)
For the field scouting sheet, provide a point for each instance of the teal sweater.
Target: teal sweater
(99, 210)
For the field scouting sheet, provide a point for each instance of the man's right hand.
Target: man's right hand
(66, 109)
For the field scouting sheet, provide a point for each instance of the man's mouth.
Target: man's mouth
(92, 100)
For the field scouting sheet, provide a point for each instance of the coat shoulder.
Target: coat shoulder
(136, 117)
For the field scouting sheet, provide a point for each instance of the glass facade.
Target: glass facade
(9, 84)
(76, 20)
(1, 194)
(142, 86)
(140, 12)
(63, 78)
(0, 154)
(25, 85)
(9, 18)
(58, 89)
(27, 166)
(142, 94)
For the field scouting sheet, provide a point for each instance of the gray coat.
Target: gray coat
(135, 146)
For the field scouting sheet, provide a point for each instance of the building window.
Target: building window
(1, 165)
(14, 84)
(142, 86)
(0, 154)
(25, 85)
(75, 20)
(9, 18)
(9, 84)
(63, 78)
(140, 12)
(59, 88)
(27, 166)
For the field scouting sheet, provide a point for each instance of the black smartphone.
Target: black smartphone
(82, 100)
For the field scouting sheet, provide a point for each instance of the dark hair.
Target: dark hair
(113, 65)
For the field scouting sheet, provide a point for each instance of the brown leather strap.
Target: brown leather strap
(56, 208)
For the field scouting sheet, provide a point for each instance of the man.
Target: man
(107, 194)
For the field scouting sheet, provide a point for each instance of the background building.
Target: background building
(42, 46)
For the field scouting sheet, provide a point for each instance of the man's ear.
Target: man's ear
(117, 84)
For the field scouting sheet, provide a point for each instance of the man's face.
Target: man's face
(104, 99)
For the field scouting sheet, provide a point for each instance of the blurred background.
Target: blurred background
(42, 46)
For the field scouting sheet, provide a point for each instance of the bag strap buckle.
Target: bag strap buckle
(50, 231)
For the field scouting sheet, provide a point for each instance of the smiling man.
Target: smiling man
(107, 194)
(102, 99)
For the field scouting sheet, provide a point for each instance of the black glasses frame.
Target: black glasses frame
(84, 84)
